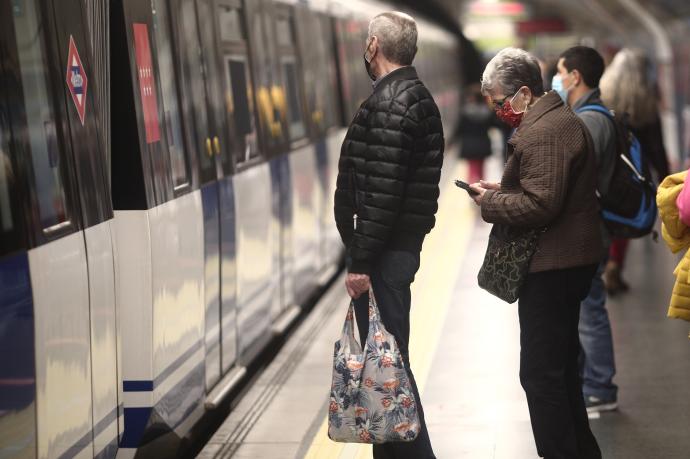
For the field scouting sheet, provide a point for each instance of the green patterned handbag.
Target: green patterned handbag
(507, 260)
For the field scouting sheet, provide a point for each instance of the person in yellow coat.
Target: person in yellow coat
(677, 237)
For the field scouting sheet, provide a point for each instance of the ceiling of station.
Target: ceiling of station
(605, 16)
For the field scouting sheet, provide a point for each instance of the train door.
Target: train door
(53, 124)
(212, 133)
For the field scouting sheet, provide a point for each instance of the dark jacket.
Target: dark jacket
(473, 130)
(389, 169)
(550, 181)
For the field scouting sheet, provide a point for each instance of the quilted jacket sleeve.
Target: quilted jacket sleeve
(382, 179)
(544, 174)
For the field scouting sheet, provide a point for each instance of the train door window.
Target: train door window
(46, 160)
(296, 123)
(241, 105)
(238, 83)
(319, 70)
(172, 121)
(268, 95)
(285, 39)
(230, 20)
(194, 72)
(9, 233)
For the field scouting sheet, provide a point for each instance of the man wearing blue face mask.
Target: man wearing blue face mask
(577, 82)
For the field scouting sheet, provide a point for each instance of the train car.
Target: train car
(166, 206)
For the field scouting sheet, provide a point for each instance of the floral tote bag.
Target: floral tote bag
(371, 395)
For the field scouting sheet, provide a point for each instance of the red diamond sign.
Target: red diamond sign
(76, 79)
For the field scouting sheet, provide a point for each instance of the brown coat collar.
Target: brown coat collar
(549, 101)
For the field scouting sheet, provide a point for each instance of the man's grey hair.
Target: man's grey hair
(511, 69)
(397, 36)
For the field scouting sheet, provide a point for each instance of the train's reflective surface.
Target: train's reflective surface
(140, 275)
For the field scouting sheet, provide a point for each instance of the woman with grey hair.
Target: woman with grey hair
(628, 90)
(547, 196)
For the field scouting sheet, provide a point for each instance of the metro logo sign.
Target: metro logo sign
(76, 79)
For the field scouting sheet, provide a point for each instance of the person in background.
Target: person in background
(627, 88)
(673, 200)
(549, 184)
(388, 175)
(472, 131)
(577, 82)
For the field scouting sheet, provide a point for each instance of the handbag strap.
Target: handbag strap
(348, 340)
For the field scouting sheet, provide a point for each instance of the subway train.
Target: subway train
(167, 171)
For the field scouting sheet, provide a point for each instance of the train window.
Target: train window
(230, 21)
(240, 105)
(193, 68)
(284, 32)
(268, 96)
(171, 106)
(6, 179)
(42, 138)
(296, 123)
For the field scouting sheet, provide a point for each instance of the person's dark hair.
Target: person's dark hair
(585, 60)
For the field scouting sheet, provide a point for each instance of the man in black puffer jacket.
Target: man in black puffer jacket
(387, 191)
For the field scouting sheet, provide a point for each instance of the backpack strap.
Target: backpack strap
(595, 108)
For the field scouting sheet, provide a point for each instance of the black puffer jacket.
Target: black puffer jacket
(389, 169)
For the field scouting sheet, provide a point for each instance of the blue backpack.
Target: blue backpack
(629, 206)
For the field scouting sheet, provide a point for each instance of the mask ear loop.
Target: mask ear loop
(366, 50)
(512, 107)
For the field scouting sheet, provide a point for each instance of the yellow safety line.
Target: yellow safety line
(443, 252)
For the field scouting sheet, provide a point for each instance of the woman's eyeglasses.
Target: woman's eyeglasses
(497, 104)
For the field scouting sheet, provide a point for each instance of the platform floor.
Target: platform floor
(464, 352)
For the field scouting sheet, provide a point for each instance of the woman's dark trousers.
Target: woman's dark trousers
(549, 310)
(391, 279)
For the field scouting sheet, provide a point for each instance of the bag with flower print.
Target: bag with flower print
(371, 395)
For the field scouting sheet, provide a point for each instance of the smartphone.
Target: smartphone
(465, 186)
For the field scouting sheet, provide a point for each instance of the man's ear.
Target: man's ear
(577, 76)
(374, 47)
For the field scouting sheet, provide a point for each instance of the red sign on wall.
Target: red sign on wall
(147, 82)
(76, 79)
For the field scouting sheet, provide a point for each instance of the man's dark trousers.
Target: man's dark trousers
(549, 310)
(391, 279)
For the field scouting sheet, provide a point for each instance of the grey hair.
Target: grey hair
(511, 69)
(397, 36)
(626, 89)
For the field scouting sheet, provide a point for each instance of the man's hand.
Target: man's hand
(356, 284)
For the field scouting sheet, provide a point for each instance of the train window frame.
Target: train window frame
(170, 33)
(19, 143)
(237, 49)
(203, 172)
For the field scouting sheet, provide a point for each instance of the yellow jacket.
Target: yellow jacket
(677, 237)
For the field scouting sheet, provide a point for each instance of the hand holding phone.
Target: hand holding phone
(465, 186)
